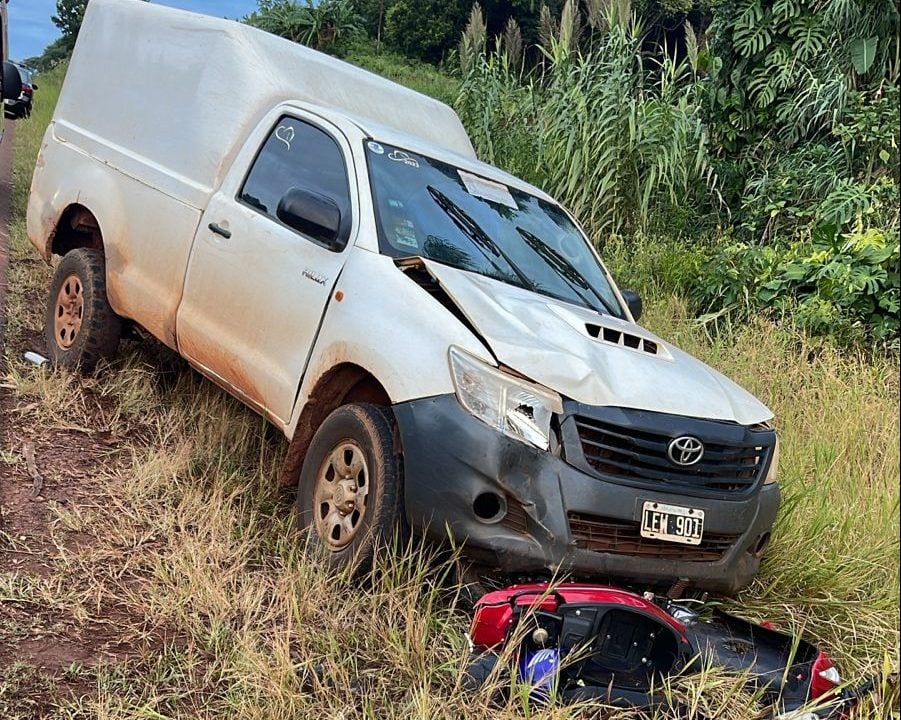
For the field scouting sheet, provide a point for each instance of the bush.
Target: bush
(846, 286)
(425, 29)
(655, 265)
(802, 106)
(320, 26)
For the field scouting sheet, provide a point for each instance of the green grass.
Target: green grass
(192, 563)
(419, 76)
(22, 310)
(833, 563)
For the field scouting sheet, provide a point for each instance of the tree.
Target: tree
(68, 18)
(320, 26)
(53, 54)
(69, 14)
(802, 105)
(426, 29)
(373, 13)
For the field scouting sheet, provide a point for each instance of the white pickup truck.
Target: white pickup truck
(437, 339)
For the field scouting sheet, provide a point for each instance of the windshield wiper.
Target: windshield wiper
(564, 269)
(479, 237)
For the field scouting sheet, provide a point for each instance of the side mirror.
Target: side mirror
(633, 300)
(314, 215)
(34, 86)
(12, 82)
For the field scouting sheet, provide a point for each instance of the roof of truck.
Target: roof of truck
(178, 90)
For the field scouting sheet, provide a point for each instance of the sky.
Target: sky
(31, 30)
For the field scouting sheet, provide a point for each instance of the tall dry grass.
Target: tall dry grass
(616, 136)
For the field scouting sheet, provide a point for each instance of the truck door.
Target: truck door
(255, 289)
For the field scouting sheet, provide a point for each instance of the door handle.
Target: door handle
(219, 230)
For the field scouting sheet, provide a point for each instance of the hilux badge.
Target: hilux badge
(685, 450)
(314, 276)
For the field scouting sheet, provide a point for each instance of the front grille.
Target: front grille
(623, 537)
(635, 454)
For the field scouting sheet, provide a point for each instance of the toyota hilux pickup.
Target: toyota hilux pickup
(438, 340)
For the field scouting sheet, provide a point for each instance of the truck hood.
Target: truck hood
(593, 358)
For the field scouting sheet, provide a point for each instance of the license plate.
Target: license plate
(672, 523)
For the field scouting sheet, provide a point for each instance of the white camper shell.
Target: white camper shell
(437, 339)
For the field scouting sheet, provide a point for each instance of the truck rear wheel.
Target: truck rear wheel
(80, 326)
(349, 493)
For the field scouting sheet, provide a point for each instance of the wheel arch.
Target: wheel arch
(77, 227)
(75, 201)
(340, 385)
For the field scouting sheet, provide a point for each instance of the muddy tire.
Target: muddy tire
(80, 327)
(349, 495)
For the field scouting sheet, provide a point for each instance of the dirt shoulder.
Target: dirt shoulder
(53, 475)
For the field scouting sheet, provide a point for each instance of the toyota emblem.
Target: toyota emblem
(685, 450)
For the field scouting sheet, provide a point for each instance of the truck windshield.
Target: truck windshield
(430, 209)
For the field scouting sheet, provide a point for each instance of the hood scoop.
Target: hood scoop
(621, 338)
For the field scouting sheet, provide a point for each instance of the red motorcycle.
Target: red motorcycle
(579, 642)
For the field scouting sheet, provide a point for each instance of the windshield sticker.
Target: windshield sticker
(488, 190)
(405, 234)
(401, 156)
(285, 133)
(375, 147)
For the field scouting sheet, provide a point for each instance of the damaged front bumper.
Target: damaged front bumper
(522, 510)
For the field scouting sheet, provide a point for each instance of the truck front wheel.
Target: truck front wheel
(79, 325)
(349, 494)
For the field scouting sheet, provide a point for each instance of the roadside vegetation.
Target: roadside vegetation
(759, 160)
(160, 576)
(746, 150)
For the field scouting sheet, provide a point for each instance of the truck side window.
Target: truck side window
(296, 155)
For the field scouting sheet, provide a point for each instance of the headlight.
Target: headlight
(517, 408)
(772, 475)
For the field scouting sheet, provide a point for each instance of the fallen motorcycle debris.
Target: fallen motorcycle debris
(583, 642)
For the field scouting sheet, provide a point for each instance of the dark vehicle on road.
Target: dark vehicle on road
(10, 80)
(20, 106)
